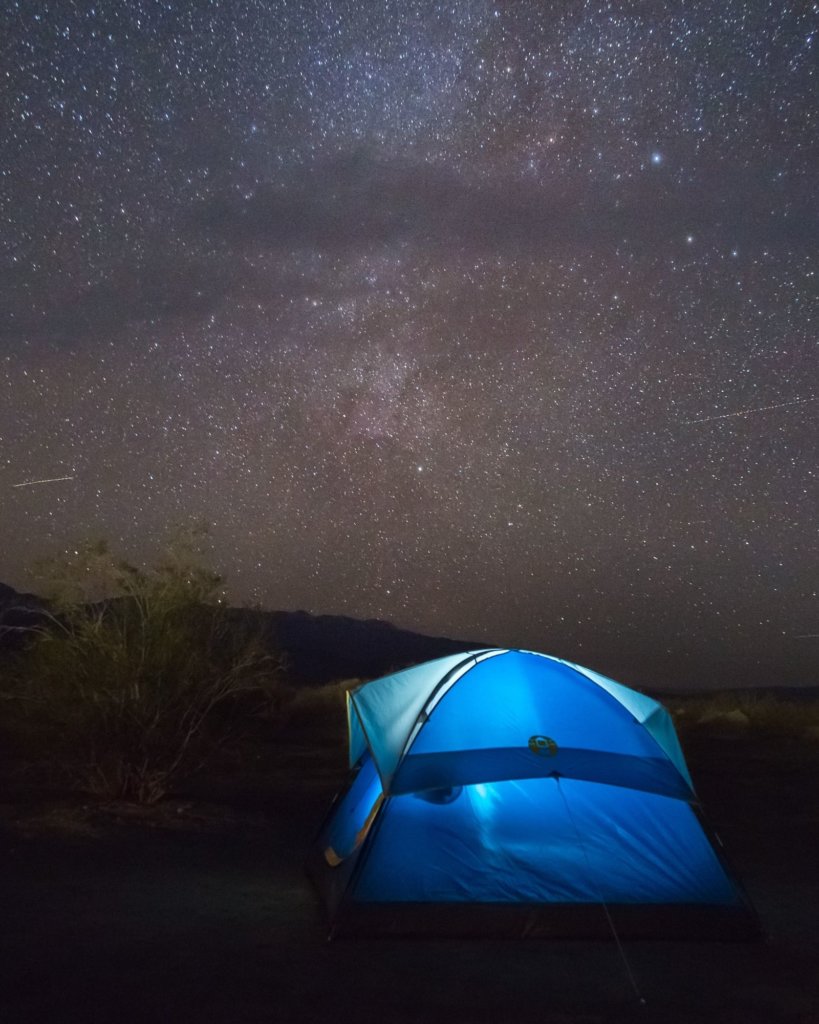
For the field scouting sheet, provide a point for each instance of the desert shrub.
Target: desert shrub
(760, 713)
(131, 693)
(322, 708)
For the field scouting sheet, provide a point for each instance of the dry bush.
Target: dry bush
(129, 694)
(765, 713)
(321, 709)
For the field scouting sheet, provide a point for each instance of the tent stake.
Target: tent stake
(603, 904)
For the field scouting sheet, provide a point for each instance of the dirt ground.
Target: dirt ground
(199, 911)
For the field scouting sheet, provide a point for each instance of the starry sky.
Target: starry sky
(495, 320)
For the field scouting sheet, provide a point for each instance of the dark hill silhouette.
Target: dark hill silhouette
(319, 648)
(323, 648)
(18, 613)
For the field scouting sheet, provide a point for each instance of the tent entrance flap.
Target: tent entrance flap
(356, 811)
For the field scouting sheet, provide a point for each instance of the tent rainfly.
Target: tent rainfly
(505, 792)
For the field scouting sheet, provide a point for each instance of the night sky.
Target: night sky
(495, 320)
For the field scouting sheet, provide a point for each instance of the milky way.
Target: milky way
(495, 320)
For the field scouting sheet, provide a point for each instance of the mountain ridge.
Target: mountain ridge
(319, 648)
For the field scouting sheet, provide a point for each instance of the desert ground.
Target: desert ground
(198, 909)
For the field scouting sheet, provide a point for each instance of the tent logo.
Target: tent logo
(544, 746)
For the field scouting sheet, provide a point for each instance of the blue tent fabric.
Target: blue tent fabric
(652, 715)
(635, 847)
(515, 783)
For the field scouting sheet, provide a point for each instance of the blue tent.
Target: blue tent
(507, 792)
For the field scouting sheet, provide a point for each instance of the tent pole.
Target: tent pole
(603, 904)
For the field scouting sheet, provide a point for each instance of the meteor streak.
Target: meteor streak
(49, 480)
(750, 412)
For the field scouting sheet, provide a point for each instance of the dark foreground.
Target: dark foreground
(200, 912)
